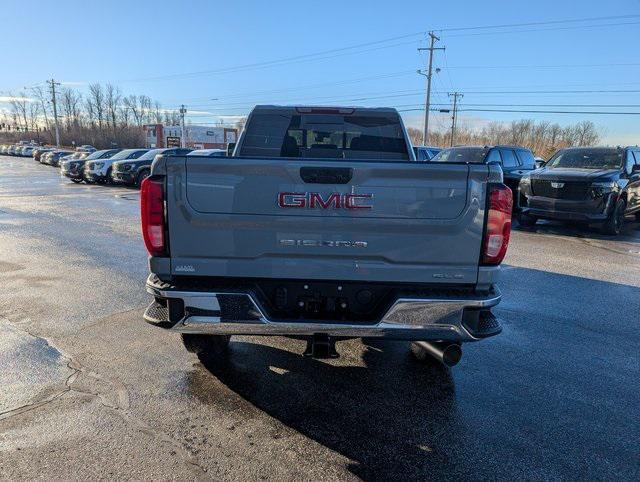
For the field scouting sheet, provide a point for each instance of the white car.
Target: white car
(100, 170)
(28, 151)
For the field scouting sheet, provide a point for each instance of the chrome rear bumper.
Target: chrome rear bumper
(215, 313)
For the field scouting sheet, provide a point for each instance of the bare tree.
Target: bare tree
(414, 134)
(157, 113)
(124, 113)
(19, 106)
(89, 111)
(172, 118)
(70, 101)
(586, 133)
(113, 96)
(543, 138)
(131, 103)
(33, 113)
(96, 98)
(146, 108)
(43, 98)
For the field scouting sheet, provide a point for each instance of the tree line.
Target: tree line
(543, 138)
(103, 116)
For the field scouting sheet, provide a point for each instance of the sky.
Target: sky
(221, 58)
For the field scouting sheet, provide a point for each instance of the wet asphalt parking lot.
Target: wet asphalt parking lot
(88, 390)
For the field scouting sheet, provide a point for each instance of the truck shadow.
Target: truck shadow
(392, 417)
(630, 230)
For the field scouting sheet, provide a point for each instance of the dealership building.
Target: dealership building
(196, 137)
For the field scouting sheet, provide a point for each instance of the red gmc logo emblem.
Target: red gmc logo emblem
(314, 200)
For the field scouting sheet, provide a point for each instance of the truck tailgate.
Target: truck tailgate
(333, 220)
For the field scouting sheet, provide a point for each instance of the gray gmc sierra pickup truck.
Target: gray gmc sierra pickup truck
(323, 226)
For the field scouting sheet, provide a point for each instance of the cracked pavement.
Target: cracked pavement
(88, 390)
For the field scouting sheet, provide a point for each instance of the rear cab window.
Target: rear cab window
(472, 155)
(494, 156)
(526, 158)
(508, 158)
(325, 133)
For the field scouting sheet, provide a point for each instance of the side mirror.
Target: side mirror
(230, 147)
(539, 164)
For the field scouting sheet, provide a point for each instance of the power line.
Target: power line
(447, 70)
(442, 90)
(552, 111)
(522, 111)
(548, 66)
(552, 105)
(602, 91)
(574, 27)
(287, 60)
(410, 93)
(322, 55)
(545, 22)
(314, 86)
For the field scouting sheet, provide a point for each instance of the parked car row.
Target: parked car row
(22, 149)
(106, 166)
(29, 149)
(589, 185)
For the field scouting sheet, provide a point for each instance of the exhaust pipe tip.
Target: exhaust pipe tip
(449, 354)
(452, 355)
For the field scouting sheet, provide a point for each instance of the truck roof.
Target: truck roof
(308, 109)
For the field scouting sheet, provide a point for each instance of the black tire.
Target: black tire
(207, 347)
(638, 216)
(613, 225)
(142, 176)
(77, 181)
(526, 221)
(109, 180)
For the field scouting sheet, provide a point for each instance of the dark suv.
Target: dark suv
(134, 171)
(516, 161)
(586, 184)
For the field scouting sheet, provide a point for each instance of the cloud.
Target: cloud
(232, 117)
(10, 98)
(199, 113)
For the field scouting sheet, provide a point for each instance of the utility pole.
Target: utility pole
(454, 117)
(183, 111)
(52, 83)
(427, 103)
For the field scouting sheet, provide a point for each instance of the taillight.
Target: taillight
(498, 230)
(152, 216)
